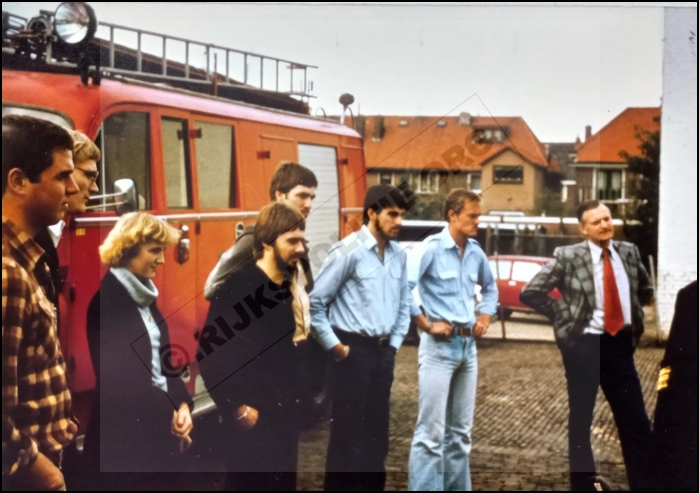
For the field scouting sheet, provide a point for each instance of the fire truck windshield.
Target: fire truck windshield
(37, 112)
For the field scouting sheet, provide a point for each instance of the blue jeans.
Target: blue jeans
(448, 373)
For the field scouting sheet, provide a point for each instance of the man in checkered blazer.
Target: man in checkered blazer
(598, 324)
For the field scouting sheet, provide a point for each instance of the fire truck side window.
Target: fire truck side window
(175, 159)
(215, 166)
(125, 144)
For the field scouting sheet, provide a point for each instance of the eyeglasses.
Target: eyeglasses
(90, 175)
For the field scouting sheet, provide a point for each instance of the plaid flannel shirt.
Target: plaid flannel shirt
(36, 404)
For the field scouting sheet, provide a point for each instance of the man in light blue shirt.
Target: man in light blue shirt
(451, 265)
(361, 301)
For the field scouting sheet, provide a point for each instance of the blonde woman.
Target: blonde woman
(140, 421)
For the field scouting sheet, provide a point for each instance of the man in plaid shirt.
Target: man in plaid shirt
(37, 165)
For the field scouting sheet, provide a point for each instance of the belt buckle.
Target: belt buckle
(462, 330)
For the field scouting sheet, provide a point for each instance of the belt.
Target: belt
(459, 329)
(350, 338)
(462, 330)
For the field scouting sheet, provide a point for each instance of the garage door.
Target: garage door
(324, 220)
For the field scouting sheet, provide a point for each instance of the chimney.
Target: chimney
(588, 132)
(360, 125)
(548, 150)
(465, 119)
(379, 129)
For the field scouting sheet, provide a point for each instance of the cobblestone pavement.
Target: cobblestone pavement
(520, 429)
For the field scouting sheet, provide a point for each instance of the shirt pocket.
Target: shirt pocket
(367, 278)
(448, 281)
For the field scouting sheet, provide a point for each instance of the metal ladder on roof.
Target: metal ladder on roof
(170, 70)
(211, 52)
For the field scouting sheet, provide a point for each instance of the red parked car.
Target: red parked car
(513, 272)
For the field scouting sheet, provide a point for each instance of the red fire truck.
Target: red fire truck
(194, 147)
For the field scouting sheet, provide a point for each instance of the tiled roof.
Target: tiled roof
(618, 135)
(419, 141)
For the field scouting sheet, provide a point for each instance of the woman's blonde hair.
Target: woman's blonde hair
(84, 148)
(130, 232)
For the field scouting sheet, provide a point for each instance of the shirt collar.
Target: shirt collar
(22, 248)
(447, 240)
(56, 231)
(369, 240)
(596, 251)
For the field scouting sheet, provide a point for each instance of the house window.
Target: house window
(609, 184)
(508, 174)
(406, 178)
(429, 181)
(386, 179)
(474, 182)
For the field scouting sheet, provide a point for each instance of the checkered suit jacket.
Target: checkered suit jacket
(571, 271)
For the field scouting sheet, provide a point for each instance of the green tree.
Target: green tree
(647, 169)
(427, 207)
(548, 202)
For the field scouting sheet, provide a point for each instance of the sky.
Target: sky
(560, 68)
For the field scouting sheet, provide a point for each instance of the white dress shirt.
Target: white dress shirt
(596, 325)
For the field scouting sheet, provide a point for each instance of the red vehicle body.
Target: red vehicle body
(198, 161)
(512, 273)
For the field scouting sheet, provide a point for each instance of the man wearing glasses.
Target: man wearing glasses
(85, 157)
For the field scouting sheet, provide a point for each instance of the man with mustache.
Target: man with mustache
(292, 184)
(360, 309)
(249, 361)
(598, 324)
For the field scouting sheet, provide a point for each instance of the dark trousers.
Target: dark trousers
(606, 361)
(265, 458)
(313, 361)
(360, 389)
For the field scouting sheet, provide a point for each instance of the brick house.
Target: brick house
(600, 171)
(500, 157)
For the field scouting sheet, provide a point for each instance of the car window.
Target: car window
(504, 267)
(524, 271)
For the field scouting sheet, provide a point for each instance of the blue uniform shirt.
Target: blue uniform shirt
(446, 282)
(357, 292)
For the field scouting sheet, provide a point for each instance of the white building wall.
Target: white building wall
(677, 246)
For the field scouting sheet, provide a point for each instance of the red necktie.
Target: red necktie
(613, 316)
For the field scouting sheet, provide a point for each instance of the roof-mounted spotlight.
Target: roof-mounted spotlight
(75, 23)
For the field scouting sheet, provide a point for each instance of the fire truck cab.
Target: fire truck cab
(192, 146)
